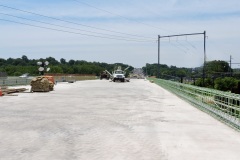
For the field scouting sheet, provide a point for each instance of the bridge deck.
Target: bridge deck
(101, 120)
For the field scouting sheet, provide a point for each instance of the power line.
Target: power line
(180, 35)
(59, 30)
(190, 44)
(103, 10)
(182, 45)
(220, 51)
(193, 46)
(169, 30)
(66, 27)
(183, 50)
(134, 35)
(71, 22)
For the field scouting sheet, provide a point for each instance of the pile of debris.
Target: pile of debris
(38, 84)
(41, 84)
(4, 91)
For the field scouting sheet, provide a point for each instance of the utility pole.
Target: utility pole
(204, 63)
(146, 70)
(178, 35)
(230, 65)
(158, 68)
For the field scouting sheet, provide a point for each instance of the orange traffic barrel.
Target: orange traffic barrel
(1, 94)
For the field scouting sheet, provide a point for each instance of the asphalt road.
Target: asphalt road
(102, 120)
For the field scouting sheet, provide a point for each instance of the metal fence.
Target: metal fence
(73, 78)
(14, 81)
(224, 106)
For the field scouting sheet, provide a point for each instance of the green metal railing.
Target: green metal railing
(224, 106)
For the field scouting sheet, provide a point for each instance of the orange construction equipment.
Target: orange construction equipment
(1, 94)
(50, 78)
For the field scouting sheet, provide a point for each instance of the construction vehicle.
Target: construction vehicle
(42, 84)
(104, 75)
(137, 73)
(118, 75)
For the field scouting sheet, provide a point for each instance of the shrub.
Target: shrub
(226, 84)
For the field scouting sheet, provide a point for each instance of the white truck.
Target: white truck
(118, 75)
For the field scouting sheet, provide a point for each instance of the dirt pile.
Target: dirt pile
(41, 84)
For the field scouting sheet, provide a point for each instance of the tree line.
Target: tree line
(19, 66)
(218, 75)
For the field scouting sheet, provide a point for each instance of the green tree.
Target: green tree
(52, 61)
(71, 62)
(25, 59)
(217, 68)
(225, 84)
(63, 61)
(55, 69)
(181, 73)
(24, 65)
(17, 74)
(2, 62)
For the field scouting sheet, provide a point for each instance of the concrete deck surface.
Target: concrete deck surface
(102, 120)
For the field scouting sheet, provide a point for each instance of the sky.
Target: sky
(121, 31)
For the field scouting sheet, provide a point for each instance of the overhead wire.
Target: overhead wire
(141, 23)
(123, 17)
(68, 27)
(66, 21)
(186, 48)
(109, 12)
(152, 12)
(59, 30)
(186, 41)
(183, 50)
(220, 51)
(190, 43)
(178, 45)
(58, 19)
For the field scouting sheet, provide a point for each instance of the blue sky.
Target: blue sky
(144, 18)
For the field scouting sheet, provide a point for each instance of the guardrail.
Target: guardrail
(224, 106)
